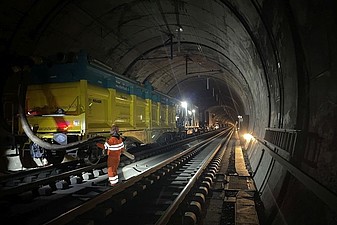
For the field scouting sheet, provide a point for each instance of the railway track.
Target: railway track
(183, 186)
(21, 201)
(73, 171)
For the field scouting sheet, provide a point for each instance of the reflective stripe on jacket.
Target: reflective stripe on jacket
(114, 147)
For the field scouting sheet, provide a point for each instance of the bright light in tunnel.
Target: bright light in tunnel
(184, 105)
(248, 137)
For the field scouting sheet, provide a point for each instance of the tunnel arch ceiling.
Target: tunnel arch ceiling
(166, 43)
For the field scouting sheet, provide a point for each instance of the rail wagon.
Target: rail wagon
(81, 99)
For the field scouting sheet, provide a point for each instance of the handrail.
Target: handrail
(326, 195)
(282, 129)
(282, 138)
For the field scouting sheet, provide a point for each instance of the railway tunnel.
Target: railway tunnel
(268, 66)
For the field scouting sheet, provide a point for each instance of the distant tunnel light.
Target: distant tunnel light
(248, 137)
(184, 104)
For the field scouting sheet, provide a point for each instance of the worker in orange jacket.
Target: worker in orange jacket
(114, 146)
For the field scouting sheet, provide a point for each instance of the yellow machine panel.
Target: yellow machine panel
(83, 109)
(140, 113)
(171, 113)
(96, 108)
(155, 114)
(122, 110)
(47, 98)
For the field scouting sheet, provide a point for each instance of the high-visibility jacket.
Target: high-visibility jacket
(115, 146)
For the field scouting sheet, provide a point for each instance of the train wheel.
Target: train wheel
(55, 156)
(93, 155)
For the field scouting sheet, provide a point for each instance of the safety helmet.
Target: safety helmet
(114, 129)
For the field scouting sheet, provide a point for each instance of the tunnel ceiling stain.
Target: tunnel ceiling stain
(177, 46)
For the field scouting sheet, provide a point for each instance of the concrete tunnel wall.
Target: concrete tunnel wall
(305, 38)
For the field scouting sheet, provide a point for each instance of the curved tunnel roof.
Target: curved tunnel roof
(271, 61)
(207, 53)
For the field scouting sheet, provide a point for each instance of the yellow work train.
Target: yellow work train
(78, 100)
(83, 110)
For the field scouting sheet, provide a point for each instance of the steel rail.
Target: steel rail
(92, 203)
(164, 219)
(44, 181)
